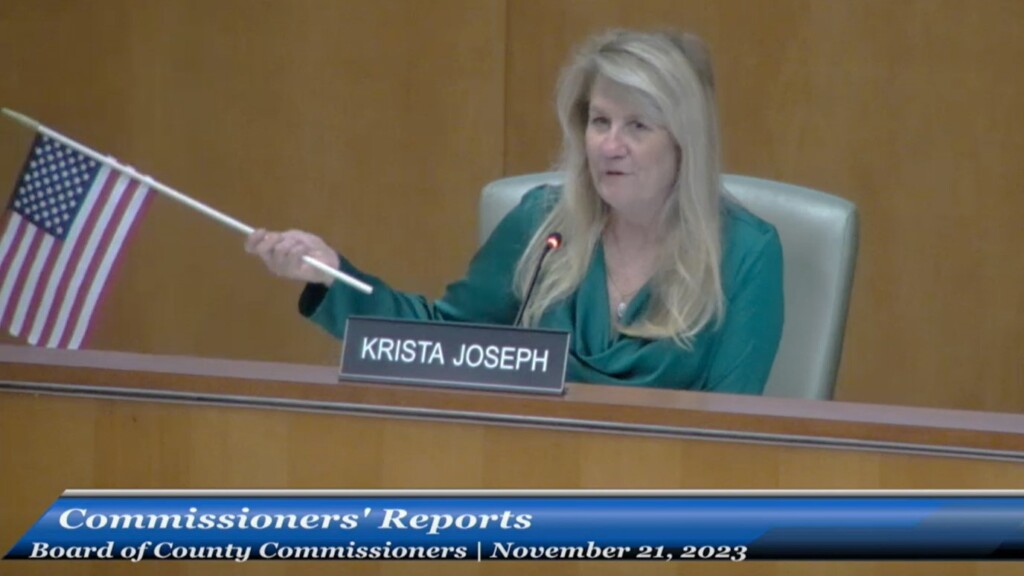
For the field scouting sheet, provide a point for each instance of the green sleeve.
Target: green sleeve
(749, 336)
(484, 295)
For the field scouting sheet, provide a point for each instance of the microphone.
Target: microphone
(551, 243)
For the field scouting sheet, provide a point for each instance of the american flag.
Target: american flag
(65, 225)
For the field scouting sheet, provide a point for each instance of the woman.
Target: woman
(663, 280)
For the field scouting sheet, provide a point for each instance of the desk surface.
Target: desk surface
(809, 423)
(115, 420)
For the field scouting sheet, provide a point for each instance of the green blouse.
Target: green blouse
(734, 357)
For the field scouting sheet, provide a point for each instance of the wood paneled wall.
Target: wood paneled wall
(375, 124)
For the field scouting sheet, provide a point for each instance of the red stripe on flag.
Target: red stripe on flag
(97, 260)
(44, 280)
(19, 283)
(20, 230)
(115, 269)
(78, 246)
(8, 257)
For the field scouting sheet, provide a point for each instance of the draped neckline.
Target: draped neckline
(593, 310)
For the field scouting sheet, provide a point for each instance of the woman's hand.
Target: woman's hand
(282, 252)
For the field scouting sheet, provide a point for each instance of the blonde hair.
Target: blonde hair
(673, 73)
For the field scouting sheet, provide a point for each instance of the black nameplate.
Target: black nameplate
(454, 355)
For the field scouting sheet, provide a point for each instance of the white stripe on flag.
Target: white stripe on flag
(9, 233)
(28, 291)
(61, 264)
(24, 241)
(106, 264)
(82, 266)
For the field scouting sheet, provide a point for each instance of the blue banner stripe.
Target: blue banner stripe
(663, 528)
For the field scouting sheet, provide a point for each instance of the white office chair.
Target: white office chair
(819, 245)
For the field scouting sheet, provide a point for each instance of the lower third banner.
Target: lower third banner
(529, 525)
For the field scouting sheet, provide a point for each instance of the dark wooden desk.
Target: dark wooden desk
(115, 420)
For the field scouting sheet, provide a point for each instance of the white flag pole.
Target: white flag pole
(175, 195)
